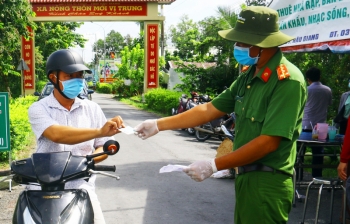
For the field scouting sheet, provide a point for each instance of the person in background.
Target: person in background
(268, 99)
(64, 122)
(319, 98)
(341, 119)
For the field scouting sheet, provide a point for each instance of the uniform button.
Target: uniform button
(248, 87)
(243, 108)
(252, 118)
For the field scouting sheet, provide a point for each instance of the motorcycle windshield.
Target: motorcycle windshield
(49, 167)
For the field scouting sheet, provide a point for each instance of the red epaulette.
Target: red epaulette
(266, 74)
(282, 72)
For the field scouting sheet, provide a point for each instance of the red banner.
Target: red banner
(90, 9)
(28, 57)
(108, 80)
(152, 56)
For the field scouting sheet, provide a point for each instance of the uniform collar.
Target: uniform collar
(270, 66)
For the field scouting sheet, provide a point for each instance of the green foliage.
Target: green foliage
(335, 70)
(132, 68)
(210, 81)
(162, 100)
(256, 2)
(114, 43)
(52, 36)
(39, 85)
(120, 89)
(14, 20)
(104, 88)
(20, 129)
(185, 36)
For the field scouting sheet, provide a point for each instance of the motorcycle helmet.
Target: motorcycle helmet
(65, 60)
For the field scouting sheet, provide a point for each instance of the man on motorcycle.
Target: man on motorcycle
(64, 122)
(268, 99)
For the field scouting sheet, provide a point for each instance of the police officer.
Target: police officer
(268, 99)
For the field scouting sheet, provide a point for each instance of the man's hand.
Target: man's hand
(111, 127)
(342, 167)
(201, 170)
(147, 128)
(119, 121)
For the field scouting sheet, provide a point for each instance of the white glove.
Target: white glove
(201, 170)
(147, 128)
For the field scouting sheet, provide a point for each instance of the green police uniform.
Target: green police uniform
(271, 103)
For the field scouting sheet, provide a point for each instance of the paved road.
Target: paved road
(142, 195)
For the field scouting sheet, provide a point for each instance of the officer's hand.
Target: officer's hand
(201, 170)
(147, 128)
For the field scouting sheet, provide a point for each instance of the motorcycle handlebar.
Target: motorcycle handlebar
(105, 168)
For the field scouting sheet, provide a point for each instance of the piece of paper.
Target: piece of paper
(171, 168)
(127, 130)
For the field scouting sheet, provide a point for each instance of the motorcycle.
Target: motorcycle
(53, 203)
(213, 128)
(187, 104)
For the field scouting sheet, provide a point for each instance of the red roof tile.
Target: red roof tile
(81, 1)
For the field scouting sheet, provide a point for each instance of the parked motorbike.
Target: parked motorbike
(213, 128)
(54, 204)
(185, 104)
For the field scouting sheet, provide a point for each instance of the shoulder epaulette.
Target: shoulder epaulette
(282, 72)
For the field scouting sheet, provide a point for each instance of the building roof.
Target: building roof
(83, 1)
(204, 65)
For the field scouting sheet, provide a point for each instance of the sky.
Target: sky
(195, 9)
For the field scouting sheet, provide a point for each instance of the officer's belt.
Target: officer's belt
(258, 167)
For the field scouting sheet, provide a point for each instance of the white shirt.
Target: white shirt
(83, 114)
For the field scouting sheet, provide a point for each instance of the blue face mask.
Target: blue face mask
(72, 87)
(241, 54)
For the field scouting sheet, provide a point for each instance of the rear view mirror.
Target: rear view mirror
(111, 147)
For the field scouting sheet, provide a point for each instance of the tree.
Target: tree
(211, 46)
(52, 36)
(185, 36)
(114, 42)
(14, 20)
(132, 68)
(138, 40)
(257, 2)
